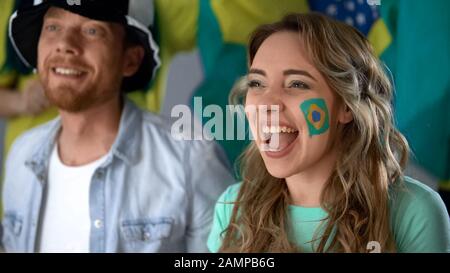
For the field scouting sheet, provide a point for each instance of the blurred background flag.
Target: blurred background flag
(361, 14)
(419, 58)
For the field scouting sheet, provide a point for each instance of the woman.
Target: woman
(332, 181)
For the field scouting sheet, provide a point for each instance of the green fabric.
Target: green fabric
(218, 82)
(419, 220)
(419, 58)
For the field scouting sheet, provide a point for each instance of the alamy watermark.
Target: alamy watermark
(228, 123)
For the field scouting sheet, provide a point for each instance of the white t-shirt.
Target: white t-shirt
(66, 219)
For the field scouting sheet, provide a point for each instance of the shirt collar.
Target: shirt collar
(127, 143)
(125, 147)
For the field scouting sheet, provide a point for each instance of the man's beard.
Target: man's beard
(69, 96)
(66, 98)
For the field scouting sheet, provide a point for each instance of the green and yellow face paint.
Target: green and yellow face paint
(316, 115)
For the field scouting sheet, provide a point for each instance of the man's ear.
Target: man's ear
(132, 60)
(345, 114)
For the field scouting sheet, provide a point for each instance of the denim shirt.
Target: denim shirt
(152, 194)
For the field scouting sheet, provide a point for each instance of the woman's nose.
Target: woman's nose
(271, 101)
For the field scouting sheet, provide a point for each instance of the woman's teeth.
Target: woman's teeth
(278, 129)
(277, 138)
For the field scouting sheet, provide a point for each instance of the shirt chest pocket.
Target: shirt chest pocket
(145, 235)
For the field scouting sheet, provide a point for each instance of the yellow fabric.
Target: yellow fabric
(379, 36)
(6, 7)
(237, 19)
(444, 185)
(138, 97)
(7, 79)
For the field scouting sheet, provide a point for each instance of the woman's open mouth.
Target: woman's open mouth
(278, 141)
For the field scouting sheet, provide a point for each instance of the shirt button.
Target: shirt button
(98, 223)
(146, 236)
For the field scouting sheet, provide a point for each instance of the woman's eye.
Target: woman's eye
(254, 84)
(299, 85)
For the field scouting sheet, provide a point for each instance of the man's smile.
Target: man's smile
(68, 72)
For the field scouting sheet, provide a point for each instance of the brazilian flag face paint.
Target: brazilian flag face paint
(316, 115)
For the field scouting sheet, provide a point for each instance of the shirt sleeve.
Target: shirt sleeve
(421, 222)
(208, 176)
(222, 215)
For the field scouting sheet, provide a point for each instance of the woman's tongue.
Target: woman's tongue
(279, 141)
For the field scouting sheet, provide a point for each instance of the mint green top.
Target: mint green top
(419, 219)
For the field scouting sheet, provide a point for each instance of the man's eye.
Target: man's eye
(51, 27)
(91, 31)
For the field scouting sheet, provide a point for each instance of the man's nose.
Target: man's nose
(69, 42)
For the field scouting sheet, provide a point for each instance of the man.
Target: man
(104, 176)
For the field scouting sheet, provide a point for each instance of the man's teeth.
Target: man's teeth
(67, 71)
(278, 129)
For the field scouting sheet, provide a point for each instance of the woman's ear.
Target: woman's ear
(132, 60)
(345, 114)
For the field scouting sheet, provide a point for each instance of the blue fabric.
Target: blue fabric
(359, 14)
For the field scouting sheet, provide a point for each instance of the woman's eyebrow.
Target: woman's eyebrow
(298, 72)
(257, 71)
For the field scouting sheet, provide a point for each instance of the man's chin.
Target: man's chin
(69, 100)
(71, 106)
